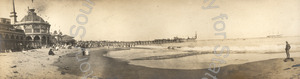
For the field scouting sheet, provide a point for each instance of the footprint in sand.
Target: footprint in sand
(298, 65)
(286, 68)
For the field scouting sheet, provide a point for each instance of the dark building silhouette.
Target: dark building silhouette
(11, 39)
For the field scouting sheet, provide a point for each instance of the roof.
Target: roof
(32, 16)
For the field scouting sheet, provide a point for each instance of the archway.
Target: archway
(17, 38)
(12, 37)
(44, 40)
(37, 41)
(29, 43)
(1, 37)
(28, 38)
(37, 38)
(6, 36)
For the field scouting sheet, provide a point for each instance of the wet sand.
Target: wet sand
(105, 67)
(39, 65)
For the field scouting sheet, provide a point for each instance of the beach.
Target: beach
(32, 64)
(247, 57)
(186, 61)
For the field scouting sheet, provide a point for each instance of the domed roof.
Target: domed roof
(32, 17)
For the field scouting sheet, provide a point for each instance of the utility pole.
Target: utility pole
(13, 14)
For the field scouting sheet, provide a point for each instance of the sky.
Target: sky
(131, 20)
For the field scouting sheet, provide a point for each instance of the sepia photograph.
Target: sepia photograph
(149, 39)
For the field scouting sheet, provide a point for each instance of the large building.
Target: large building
(11, 39)
(36, 29)
(31, 32)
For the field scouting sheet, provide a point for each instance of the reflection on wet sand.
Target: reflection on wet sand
(105, 67)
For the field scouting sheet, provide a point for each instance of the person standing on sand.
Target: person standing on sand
(287, 49)
(83, 51)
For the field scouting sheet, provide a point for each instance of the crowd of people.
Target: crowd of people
(91, 44)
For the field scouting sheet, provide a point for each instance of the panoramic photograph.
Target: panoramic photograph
(149, 39)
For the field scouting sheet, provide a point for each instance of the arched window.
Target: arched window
(37, 38)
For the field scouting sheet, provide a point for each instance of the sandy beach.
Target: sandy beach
(151, 62)
(237, 66)
(172, 59)
(33, 64)
(247, 57)
(65, 65)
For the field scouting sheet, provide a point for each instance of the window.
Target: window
(28, 26)
(43, 27)
(36, 26)
(36, 30)
(27, 30)
(43, 31)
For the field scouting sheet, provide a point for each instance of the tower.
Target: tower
(13, 14)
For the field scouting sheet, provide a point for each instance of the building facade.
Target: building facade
(11, 39)
(55, 38)
(36, 29)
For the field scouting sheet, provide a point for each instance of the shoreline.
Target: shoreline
(183, 59)
(40, 65)
(271, 68)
